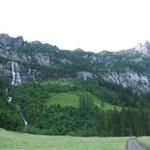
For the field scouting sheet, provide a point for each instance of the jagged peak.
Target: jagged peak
(8, 41)
(143, 47)
(3, 35)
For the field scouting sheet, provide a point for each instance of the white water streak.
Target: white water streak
(9, 99)
(24, 120)
(16, 79)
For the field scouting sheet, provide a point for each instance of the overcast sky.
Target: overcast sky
(93, 25)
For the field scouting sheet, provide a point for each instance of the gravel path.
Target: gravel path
(134, 145)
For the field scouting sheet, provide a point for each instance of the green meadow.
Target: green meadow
(22, 141)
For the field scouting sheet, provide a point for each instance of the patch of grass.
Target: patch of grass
(67, 93)
(106, 106)
(72, 99)
(21, 141)
(145, 140)
(63, 99)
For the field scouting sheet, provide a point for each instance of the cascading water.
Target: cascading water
(9, 99)
(24, 120)
(13, 73)
(16, 79)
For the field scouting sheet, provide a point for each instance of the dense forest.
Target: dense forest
(85, 120)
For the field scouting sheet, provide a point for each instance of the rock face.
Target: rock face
(85, 75)
(36, 61)
(43, 59)
(143, 48)
(18, 42)
(7, 41)
(25, 74)
(129, 79)
(9, 49)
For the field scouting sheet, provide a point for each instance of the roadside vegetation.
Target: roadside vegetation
(145, 141)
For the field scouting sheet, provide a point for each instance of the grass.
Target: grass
(72, 99)
(63, 99)
(145, 141)
(106, 106)
(21, 141)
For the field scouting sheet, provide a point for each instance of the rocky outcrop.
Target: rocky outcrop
(42, 59)
(5, 40)
(143, 47)
(85, 75)
(18, 42)
(138, 82)
(124, 65)
(11, 48)
(9, 42)
(25, 74)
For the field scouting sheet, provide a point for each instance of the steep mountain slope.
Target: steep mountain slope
(51, 91)
(37, 61)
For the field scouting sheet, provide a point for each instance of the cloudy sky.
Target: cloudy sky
(93, 25)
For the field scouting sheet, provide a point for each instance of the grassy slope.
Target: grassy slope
(21, 141)
(63, 99)
(72, 99)
(145, 141)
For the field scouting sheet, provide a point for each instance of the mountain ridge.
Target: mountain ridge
(15, 42)
(45, 90)
(37, 61)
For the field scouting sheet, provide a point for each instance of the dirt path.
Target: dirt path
(134, 145)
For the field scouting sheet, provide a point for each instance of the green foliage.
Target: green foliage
(75, 107)
(9, 114)
(48, 110)
(63, 99)
(145, 141)
(37, 47)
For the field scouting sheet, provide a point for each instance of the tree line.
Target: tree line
(86, 120)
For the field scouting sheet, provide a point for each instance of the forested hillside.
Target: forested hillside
(45, 90)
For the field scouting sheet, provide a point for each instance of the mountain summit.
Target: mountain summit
(7, 41)
(143, 47)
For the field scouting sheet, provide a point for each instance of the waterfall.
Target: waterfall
(13, 73)
(25, 123)
(24, 120)
(9, 99)
(16, 79)
(6, 91)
